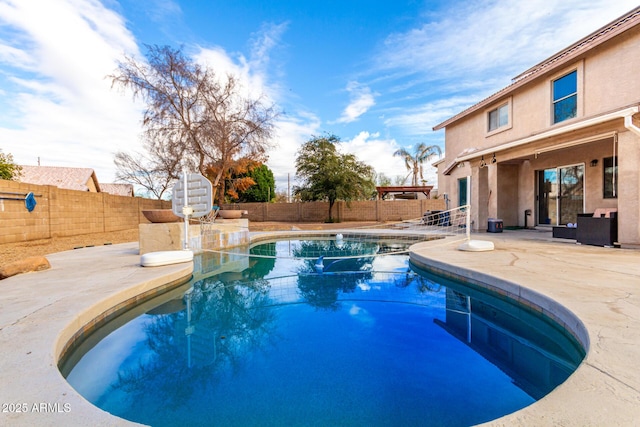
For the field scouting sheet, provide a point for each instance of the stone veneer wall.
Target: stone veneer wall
(61, 213)
(226, 233)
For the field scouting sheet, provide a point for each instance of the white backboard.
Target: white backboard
(198, 195)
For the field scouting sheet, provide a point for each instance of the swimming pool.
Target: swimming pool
(363, 340)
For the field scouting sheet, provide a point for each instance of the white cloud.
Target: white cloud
(58, 105)
(291, 133)
(362, 99)
(378, 153)
(224, 64)
(253, 72)
(470, 50)
(420, 119)
(468, 39)
(367, 147)
(265, 42)
(162, 11)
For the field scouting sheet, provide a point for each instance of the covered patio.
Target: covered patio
(552, 178)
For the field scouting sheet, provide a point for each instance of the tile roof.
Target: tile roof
(61, 177)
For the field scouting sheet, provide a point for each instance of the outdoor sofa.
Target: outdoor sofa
(599, 228)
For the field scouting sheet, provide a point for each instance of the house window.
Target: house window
(498, 117)
(610, 171)
(565, 97)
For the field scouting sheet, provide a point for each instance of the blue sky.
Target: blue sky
(379, 74)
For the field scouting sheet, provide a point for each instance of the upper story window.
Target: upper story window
(498, 117)
(565, 97)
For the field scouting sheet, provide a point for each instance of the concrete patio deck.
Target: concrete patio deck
(601, 286)
(40, 311)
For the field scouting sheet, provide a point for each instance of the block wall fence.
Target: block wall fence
(369, 210)
(62, 213)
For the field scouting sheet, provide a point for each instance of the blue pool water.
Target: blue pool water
(363, 340)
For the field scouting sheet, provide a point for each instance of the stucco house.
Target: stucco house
(563, 139)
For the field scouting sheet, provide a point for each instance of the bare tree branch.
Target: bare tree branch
(193, 118)
(142, 172)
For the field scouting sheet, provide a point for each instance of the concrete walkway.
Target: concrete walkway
(39, 312)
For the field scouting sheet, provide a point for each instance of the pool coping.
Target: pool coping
(40, 311)
(593, 291)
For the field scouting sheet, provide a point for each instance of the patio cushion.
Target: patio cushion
(598, 213)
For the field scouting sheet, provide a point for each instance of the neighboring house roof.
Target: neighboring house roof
(560, 59)
(117, 189)
(82, 179)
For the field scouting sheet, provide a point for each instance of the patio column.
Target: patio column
(506, 194)
(629, 190)
(480, 197)
(489, 191)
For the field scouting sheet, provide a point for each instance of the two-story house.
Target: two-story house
(562, 139)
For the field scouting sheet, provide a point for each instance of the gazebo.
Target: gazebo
(404, 191)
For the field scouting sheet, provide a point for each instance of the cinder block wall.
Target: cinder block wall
(371, 210)
(60, 213)
(75, 212)
(16, 223)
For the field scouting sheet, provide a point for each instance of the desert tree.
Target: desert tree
(327, 174)
(204, 121)
(9, 170)
(255, 184)
(383, 180)
(281, 197)
(234, 178)
(155, 175)
(399, 180)
(413, 161)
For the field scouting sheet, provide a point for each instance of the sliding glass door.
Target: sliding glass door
(571, 199)
(560, 194)
(547, 196)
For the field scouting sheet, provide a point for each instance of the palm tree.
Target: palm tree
(414, 161)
